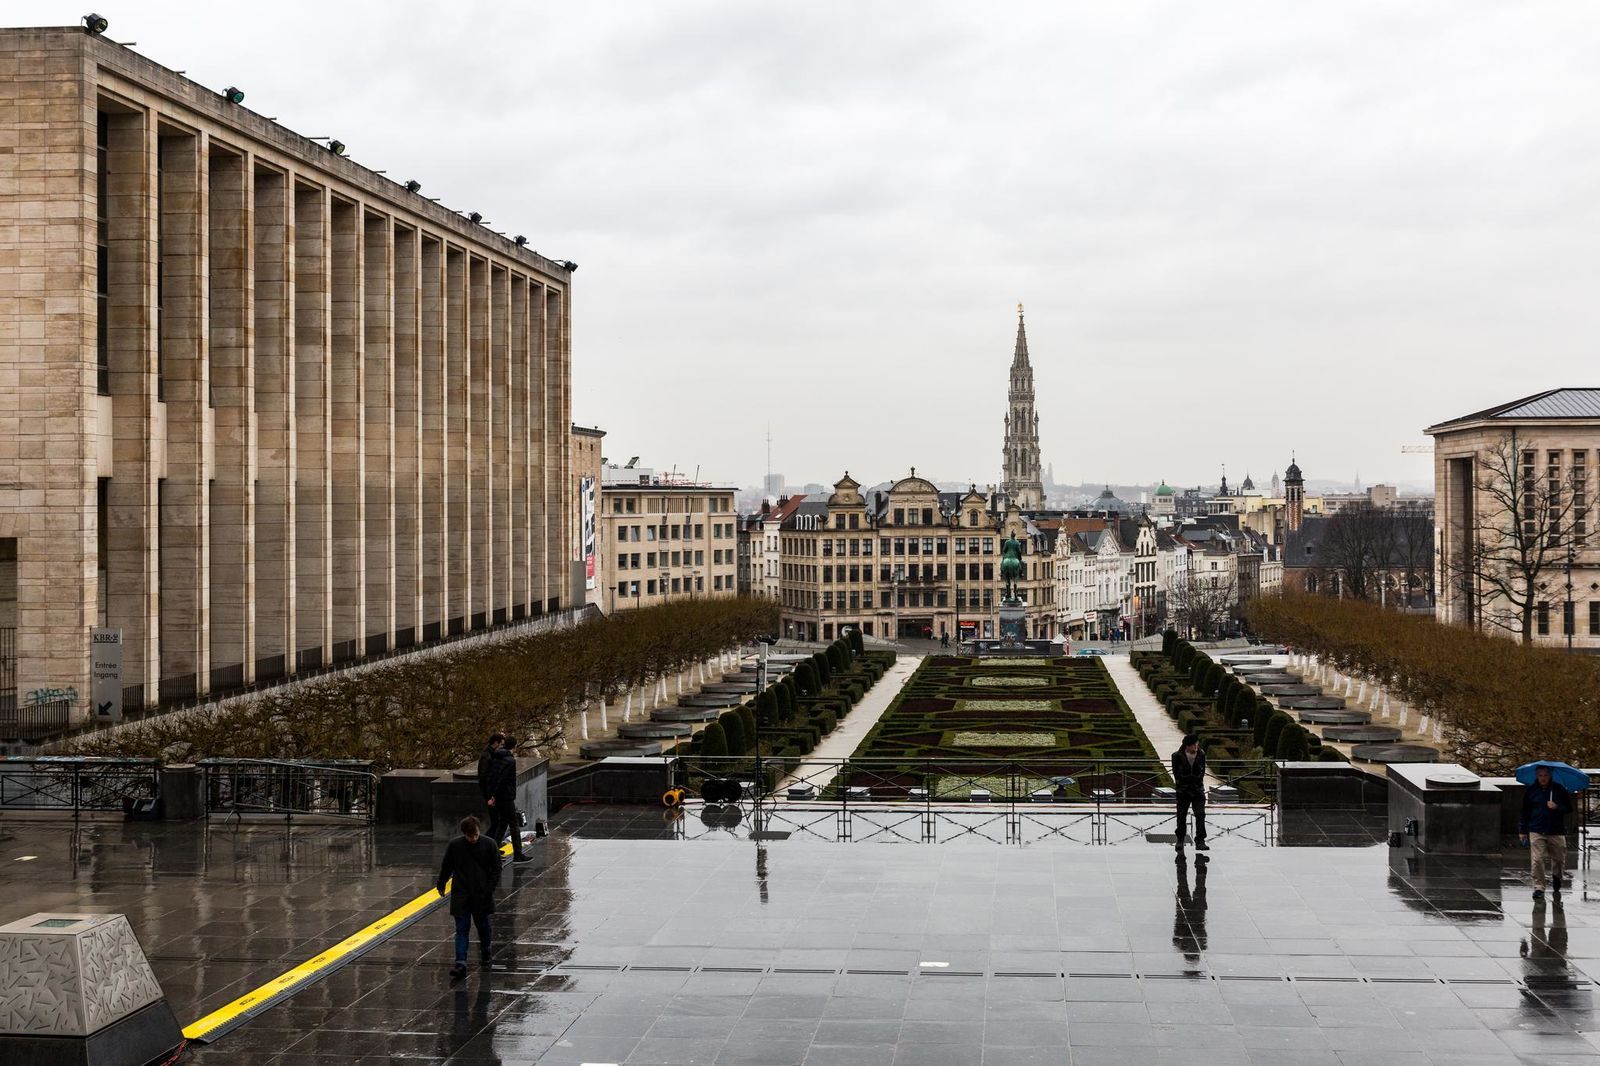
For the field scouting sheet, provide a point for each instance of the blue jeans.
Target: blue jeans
(464, 924)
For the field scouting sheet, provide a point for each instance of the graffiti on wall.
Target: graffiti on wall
(40, 696)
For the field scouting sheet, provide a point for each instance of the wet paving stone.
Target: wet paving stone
(625, 943)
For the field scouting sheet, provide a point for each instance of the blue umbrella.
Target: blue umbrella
(1569, 777)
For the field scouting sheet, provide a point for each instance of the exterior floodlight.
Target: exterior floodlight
(336, 147)
(475, 217)
(413, 186)
(96, 24)
(520, 240)
(233, 95)
(568, 265)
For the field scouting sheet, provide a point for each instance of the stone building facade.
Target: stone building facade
(261, 408)
(590, 573)
(909, 562)
(665, 539)
(1552, 441)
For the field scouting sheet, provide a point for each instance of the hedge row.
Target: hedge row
(1500, 703)
(434, 708)
(1230, 718)
(799, 709)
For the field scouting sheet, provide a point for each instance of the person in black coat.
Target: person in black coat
(495, 741)
(501, 796)
(1189, 779)
(1543, 827)
(471, 867)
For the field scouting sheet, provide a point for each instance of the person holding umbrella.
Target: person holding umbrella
(1546, 802)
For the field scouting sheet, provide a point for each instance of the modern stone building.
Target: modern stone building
(665, 538)
(261, 408)
(1514, 491)
(586, 475)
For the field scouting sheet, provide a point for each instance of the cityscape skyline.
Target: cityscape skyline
(1244, 224)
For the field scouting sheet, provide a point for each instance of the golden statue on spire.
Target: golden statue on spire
(1019, 308)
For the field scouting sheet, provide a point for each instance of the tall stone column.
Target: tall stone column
(435, 540)
(479, 444)
(138, 444)
(378, 433)
(538, 433)
(275, 425)
(407, 437)
(348, 434)
(500, 443)
(518, 428)
(557, 434)
(313, 418)
(186, 386)
(231, 328)
(458, 517)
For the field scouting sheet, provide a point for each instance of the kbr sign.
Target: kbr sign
(105, 674)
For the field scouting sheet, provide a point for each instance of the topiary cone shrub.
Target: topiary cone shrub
(713, 741)
(747, 719)
(733, 732)
(1294, 744)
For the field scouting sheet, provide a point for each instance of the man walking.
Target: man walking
(471, 867)
(1189, 779)
(484, 760)
(1543, 827)
(502, 798)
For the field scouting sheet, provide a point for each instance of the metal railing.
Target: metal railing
(76, 783)
(341, 789)
(966, 781)
(32, 721)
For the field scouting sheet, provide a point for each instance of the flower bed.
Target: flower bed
(1055, 718)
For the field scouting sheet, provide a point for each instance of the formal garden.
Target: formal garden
(433, 709)
(1498, 703)
(1008, 728)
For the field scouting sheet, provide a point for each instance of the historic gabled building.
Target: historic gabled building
(1021, 483)
(910, 561)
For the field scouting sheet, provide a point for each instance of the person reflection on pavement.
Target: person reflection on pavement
(1189, 911)
(1550, 985)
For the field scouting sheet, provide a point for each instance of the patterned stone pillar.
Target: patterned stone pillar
(435, 539)
(458, 521)
(348, 414)
(132, 572)
(538, 441)
(378, 432)
(499, 444)
(231, 327)
(186, 387)
(518, 443)
(479, 443)
(313, 395)
(275, 425)
(407, 438)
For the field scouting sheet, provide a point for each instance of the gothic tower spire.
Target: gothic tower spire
(1020, 461)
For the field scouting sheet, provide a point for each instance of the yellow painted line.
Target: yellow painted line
(317, 965)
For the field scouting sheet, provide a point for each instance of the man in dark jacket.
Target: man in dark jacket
(1543, 827)
(471, 867)
(1189, 778)
(495, 740)
(502, 798)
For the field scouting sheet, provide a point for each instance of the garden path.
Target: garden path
(843, 741)
(1161, 730)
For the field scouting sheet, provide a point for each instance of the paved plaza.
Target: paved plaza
(626, 943)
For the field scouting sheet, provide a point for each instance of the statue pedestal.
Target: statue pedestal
(79, 991)
(1013, 621)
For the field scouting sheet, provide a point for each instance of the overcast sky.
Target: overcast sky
(1240, 229)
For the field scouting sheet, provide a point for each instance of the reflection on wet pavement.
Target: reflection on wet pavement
(721, 950)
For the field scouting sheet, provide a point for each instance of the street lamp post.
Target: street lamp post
(1569, 618)
(898, 583)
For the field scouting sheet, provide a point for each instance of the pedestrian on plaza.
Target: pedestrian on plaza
(1543, 827)
(496, 739)
(502, 799)
(944, 638)
(471, 868)
(1189, 779)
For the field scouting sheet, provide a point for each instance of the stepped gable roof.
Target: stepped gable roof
(1552, 404)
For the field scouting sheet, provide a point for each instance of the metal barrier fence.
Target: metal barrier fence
(339, 789)
(32, 721)
(961, 780)
(76, 783)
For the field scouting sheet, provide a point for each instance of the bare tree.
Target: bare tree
(1199, 604)
(1523, 515)
(1415, 553)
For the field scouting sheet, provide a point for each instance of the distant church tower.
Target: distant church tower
(1021, 482)
(1294, 494)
